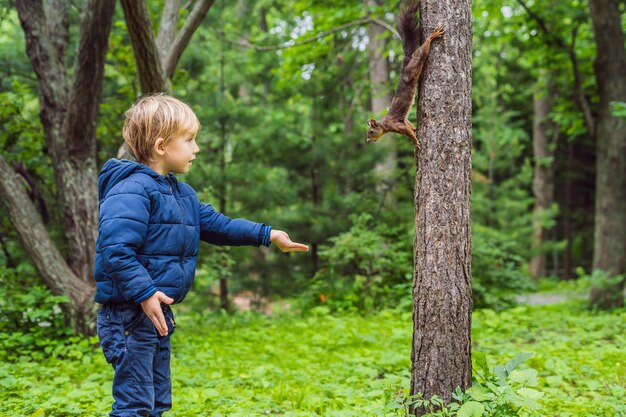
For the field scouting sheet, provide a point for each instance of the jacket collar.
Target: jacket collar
(115, 170)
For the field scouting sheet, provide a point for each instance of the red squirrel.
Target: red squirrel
(396, 119)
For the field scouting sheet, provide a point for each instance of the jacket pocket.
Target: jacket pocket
(168, 314)
(104, 333)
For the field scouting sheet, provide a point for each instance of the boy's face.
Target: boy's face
(179, 152)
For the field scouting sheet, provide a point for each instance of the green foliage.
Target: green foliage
(205, 293)
(31, 323)
(364, 269)
(497, 275)
(322, 365)
(580, 285)
(577, 353)
(504, 391)
(618, 108)
(369, 267)
(607, 283)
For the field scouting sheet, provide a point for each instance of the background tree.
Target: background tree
(610, 219)
(545, 135)
(68, 111)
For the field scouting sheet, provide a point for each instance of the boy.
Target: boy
(150, 225)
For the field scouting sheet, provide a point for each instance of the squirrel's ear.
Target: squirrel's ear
(372, 123)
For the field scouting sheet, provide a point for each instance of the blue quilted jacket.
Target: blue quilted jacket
(150, 227)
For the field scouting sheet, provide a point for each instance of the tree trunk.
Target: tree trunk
(568, 256)
(68, 114)
(442, 292)
(381, 100)
(610, 210)
(543, 178)
(52, 267)
(224, 303)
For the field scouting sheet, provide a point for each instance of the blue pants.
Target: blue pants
(140, 358)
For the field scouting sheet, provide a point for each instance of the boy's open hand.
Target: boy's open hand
(281, 239)
(152, 308)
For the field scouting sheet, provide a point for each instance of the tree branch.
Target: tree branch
(385, 25)
(57, 23)
(50, 265)
(47, 64)
(88, 76)
(151, 76)
(578, 86)
(168, 27)
(34, 194)
(554, 40)
(320, 35)
(192, 23)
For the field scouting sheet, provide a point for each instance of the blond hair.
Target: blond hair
(157, 116)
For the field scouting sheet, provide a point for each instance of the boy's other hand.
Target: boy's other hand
(152, 307)
(281, 239)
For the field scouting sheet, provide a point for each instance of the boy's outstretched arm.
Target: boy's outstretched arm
(284, 243)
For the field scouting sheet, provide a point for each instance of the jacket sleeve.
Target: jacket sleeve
(124, 216)
(219, 229)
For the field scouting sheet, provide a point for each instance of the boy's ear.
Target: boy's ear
(159, 146)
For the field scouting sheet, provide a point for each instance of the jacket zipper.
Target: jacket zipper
(182, 219)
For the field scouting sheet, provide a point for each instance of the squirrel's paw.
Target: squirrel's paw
(439, 31)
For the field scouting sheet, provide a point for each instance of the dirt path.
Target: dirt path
(548, 298)
(551, 298)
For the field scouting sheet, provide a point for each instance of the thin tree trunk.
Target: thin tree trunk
(442, 293)
(224, 303)
(151, 74)
(316, 187)
(568, 261)
(381, 100)
(610, 212)
(543, 178)
(168, 27)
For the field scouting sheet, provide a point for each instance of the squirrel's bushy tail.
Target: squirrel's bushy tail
(407, 27)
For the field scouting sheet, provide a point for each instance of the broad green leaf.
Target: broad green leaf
(524, 377)
(480, 362)
(471, 409)
(530, 393)
(516, 361)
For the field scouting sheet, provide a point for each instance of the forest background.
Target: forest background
(283, 90)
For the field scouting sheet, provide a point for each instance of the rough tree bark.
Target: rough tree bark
(543, 178)
(442, 293)
(609, 252)
(68, 114)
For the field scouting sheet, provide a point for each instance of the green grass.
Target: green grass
(248, 365)
(580, 285)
